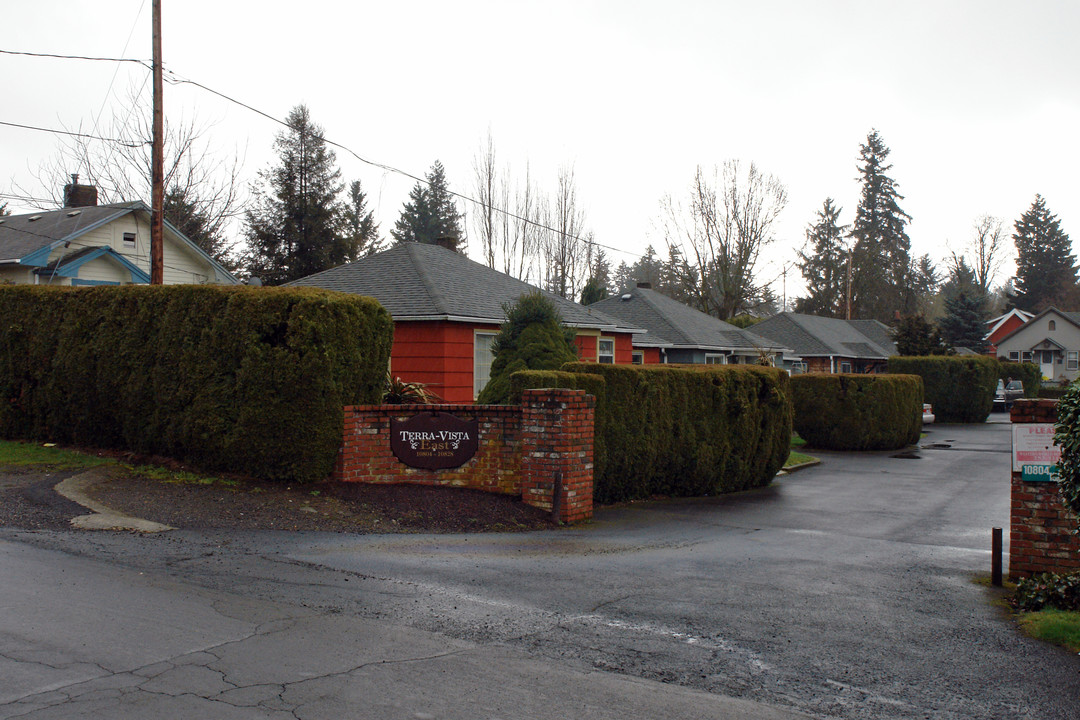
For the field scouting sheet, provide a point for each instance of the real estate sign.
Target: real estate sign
(1035, 456)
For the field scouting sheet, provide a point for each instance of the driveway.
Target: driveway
(845, 590)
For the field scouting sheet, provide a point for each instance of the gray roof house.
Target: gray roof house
(1051, 340)
(822, 344)
(98, 245)
(678, 333)
(447, 309)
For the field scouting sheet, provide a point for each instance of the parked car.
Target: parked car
(1007, 393)
(927, 414)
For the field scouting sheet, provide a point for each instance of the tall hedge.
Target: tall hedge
(682, 430)
(234, 379)
(960, 387)
(857, 412)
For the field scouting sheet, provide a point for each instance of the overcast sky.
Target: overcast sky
(979, 101)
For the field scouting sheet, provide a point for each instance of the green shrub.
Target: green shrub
(532, 338)
(960, 387)
(1067, 437)
(685, 431)
(1049, 590)
(1052, 392)
(1029, 374)
(239, 379)
(857, 412)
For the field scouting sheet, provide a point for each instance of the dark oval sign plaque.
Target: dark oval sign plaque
(434, 440)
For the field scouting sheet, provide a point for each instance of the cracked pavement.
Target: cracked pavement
(842, 591)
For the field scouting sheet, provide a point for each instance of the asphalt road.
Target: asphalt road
(846, 590)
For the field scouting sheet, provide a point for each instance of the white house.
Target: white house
(91, 244)
(1051, 340)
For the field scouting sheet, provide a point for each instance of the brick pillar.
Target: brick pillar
(1042, 535)
(557, 450)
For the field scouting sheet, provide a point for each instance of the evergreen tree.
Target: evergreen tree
(430, 213)
(925, 280)
(1045, 267)
(881, 252)
(962, 325)
(823, 264)
(678, 278)
(915, 336)
(360, 234)
(532, 338)
(3, 210)
(293, 229)
(597, 286)
(196, 225)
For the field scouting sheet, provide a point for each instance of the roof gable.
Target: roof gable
(417, 281)
(1069, 317)
(811, 335)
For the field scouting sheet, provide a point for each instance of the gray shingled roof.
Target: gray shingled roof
(673, 324)
(21, 235)
(810, 335)
(416, 281)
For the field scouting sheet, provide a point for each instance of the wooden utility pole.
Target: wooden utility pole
(157, 172)
(847, 295)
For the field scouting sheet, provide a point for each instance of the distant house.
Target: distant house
(1051, 340)
(94, 244)
(830, 345)
(447, 310)
(678, 333)
(1003, 325)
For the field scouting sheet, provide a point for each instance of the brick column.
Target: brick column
(1042, 535)
(557, 450)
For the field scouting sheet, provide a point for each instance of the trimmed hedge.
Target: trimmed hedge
(683, 430)
(960, 387)
(240, 379)
(857, 412)
(1029, 374)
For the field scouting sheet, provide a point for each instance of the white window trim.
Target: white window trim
(637, 357)
(477, 370)
(1072, 360)
(1014, 355)
(716, 357)
(599, 341)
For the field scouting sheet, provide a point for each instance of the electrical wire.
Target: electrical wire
(145, 63)
(125, 143)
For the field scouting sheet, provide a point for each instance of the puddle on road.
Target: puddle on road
(909, 455)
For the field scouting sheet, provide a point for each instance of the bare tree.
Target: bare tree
(485, 219)
(986, 248)
(566, 250)
(722, 229)
(203, 183)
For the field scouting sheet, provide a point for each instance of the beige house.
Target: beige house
(1051, 340)
(92, 244)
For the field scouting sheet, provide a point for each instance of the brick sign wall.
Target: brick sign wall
(527, 450)
(1042, 534)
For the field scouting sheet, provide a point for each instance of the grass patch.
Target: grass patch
(796, 441)
(795, 458)
(1053, 626)
(21, 454)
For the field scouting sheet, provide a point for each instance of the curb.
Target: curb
(800, 466)
(75, 489)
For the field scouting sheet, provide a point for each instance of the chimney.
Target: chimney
(645, 285)
(76, 195)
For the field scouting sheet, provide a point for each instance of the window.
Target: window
(1052, 325)
(637, 357)
(605, 351)
(1047, 357)
(798, 368)
(129, 240)
(482, 357)
(711, 359)
(1025, 356)
(845, 367)
(1072, 360)
(1014, 356)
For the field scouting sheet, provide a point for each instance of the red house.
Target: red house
(1002, 326)
(447, 310)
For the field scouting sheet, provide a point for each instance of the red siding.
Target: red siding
(438, 354)
(586, 347)
(651, 356)
(1006, 328)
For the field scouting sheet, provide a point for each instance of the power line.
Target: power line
(179, 80)
(144, 63)
(125, 143)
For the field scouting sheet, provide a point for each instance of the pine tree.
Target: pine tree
(195, 224)
(962, 325)
(823, 264)
(915, 336)
(1045, 267)
(293, 229)
(430, 213)
(881, 252)
(360, 234)
(597, 287)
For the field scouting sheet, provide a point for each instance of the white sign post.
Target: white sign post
(1034, 455)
